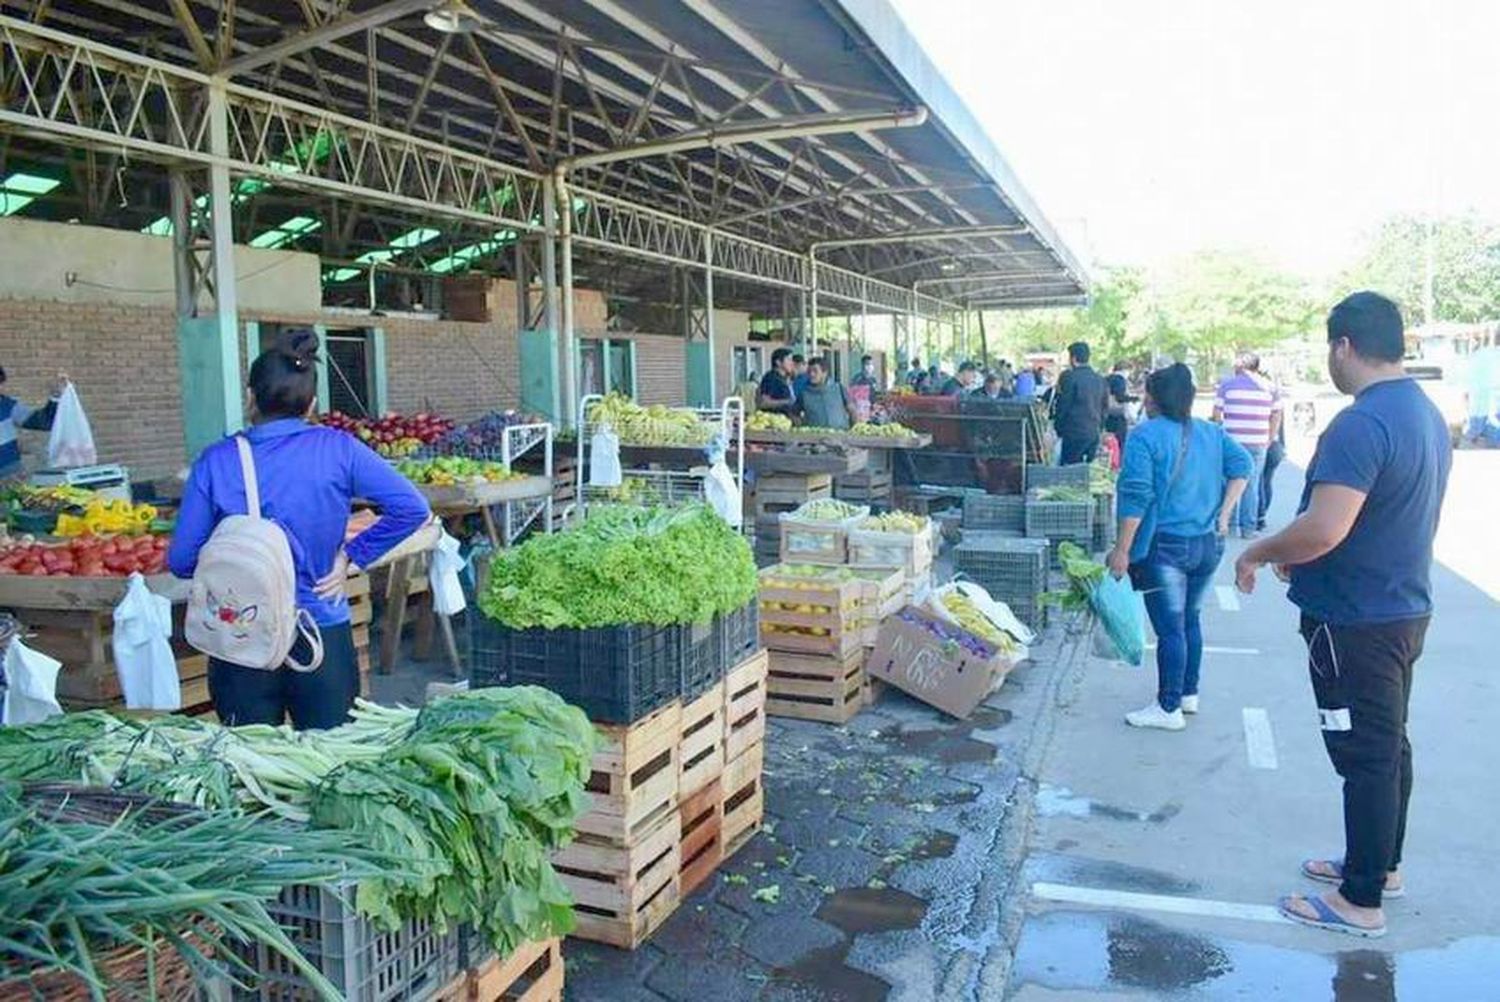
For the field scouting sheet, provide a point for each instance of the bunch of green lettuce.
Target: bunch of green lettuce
(624, 565)
(474, 801)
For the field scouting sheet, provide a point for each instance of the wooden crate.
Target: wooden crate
(832, 626)
(634, 779)
(912, 552)
(533, 973)
(744, 798)
(702, 848)
(745, 705)
(622, 893)
(883, 591)
(814, 542)
(701, 756)
(816, 687)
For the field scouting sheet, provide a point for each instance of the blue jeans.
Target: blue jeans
(1173, 578)
(1247, 514)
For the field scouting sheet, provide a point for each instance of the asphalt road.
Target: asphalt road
(1154, 857)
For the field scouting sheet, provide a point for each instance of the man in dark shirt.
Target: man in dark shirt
(1078, 407)
(967, 381)
(1360, 558)
(776, 393)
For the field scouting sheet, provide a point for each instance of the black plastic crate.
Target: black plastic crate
(615, 674)
(739, 631)
(1003, 512)
(1072, 475)
(702, 658)
(1104, 522)
(1006, 568)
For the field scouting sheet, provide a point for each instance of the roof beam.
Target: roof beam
(303, 40)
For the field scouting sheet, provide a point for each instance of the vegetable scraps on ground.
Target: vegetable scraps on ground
(662, 566)
(472, 794)
(75, 888)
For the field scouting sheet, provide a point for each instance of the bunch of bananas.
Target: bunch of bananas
(107, 517)
(891, 429)
(654, 425)
(768, 421)
(52, 499)
(962, 608)
(827, 510)
(896, 521)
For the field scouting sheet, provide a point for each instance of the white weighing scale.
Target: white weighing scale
(109, 480)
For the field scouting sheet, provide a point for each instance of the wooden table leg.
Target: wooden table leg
(445, 624)
(398, 586)
(490, 528)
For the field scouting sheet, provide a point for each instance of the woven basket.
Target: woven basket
(129, 972)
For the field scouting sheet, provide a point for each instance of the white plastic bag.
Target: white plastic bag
(72, 440)
(31, 685)
(604, 458)
(143, 651)
(447, 590)
(720, 489)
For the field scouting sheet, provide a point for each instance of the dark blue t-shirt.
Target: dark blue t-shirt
(774, 386)
(1392, 445)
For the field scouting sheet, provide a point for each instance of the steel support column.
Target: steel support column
(184, 266)
(226, 300)
(708, 315)
(550, 318)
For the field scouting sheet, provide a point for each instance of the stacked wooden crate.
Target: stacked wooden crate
(814, 630)
(872, 485)
(774, 496)
(531, 973)
(671, 796)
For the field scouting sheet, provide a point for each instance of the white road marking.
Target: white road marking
(1260, 745)
(1249, 651)
(1229, 601)
(1105, 898)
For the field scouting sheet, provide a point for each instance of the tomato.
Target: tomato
(37, 571)
(27, 566)
(92, 570)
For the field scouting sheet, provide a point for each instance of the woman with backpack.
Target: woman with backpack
(295, 480)
(1179, 484)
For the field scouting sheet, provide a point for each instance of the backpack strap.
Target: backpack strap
(314, 637)
(247, 470)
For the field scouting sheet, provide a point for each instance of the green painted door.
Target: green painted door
(700, 367)
(539, 387)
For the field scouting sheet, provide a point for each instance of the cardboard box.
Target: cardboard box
(936, 662)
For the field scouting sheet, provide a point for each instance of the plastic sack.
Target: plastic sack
(447, 591)
(72, 440)
(604, 459)
(723, 494)
(1122, 614)
(31, 685)
(998, 613)
(143, 650)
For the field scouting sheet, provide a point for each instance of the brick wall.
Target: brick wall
(124, 362)
(459, 370)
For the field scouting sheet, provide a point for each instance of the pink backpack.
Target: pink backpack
(243, 605)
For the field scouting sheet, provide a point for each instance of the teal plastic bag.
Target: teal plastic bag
(1122, 614)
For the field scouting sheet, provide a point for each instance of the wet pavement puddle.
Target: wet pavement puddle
(1090, 951)
(860, 910)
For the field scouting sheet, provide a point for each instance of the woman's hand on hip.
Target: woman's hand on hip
(331, 585)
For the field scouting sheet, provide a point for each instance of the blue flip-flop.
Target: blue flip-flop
(1327, 919)
(1337, 877)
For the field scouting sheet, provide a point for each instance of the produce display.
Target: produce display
(1101, 479)
(51, 499)
(897, 521)
(1062, 492)
(828, 510)
(87, 556)
(654, 425)
(804, 577)
(103, 516)
(483, 436)
(890, 429)
(453, 470)
(76, 887)
(768, 421)
(624, 565)
(391, 435)
(968, 616)
(471, 795)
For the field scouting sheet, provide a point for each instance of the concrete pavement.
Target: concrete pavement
(1153, 856)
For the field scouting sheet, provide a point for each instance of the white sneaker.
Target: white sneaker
(1155, 716)
(1189, 704)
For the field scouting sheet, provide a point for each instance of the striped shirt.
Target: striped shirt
(1247, 404)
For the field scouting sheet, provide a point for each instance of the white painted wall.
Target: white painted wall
(118, 266)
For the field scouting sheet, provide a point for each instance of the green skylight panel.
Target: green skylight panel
(284, 234)
(415, 238)
(19, 190)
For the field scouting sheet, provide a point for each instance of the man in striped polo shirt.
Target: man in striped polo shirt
(1250, 410)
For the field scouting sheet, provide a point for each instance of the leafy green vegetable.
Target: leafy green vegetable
(624, 565)
(1083, 573)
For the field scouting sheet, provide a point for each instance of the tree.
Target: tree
(1110, 323)
(1466, 267)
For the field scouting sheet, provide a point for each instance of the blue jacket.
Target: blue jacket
(1189, 506)
(307, 476)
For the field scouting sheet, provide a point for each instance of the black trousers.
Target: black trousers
(1361, 676)
(1079, 450)
(316, 700)
(1274, 455)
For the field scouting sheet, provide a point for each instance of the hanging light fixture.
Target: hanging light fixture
(453, 17)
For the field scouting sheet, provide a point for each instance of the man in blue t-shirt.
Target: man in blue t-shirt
(1359, 558)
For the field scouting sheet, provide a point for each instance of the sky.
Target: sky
(1147, 129)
